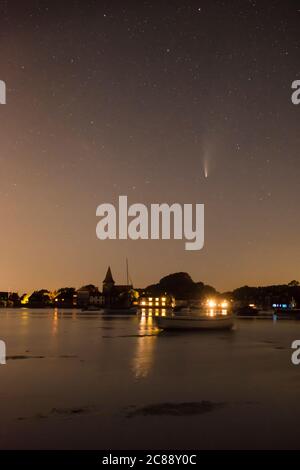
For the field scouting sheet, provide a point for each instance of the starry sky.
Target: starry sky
(143, 98)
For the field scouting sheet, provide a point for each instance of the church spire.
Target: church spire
(108, 278)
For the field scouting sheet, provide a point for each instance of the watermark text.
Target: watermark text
(2, 352)
(2, 92)
(296, 94)
(163, 222)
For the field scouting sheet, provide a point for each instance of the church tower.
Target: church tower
(108, 282)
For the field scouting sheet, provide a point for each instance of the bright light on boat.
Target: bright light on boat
(224, 304)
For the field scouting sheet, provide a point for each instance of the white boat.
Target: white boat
(193, 322)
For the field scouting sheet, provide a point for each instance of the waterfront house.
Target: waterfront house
(157, 302)
(88, 295)
(9, 299)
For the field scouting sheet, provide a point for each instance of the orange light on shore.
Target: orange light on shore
(211, 303)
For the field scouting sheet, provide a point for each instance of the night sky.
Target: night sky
(142, 98)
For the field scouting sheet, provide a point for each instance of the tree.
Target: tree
(91, 288)
(181, 286)
(40, 298)
(14, 297)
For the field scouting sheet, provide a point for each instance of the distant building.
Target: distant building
(9, 299)
(112, 295)
(83, 297)
(89, 295)
(96, 299)
(161, 302)
(4, 296)
(116, 295)
(86, 298)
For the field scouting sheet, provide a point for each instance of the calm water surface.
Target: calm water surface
(81, 381)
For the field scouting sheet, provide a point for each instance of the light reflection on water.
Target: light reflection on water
(55, 322)
(143, 359)
(147, 337)
(213, 312)
(108, 363)
(150, 312)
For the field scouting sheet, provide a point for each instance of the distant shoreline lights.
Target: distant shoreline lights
(164, 222)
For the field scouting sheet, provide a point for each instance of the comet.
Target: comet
(207, 160)
(205, 168)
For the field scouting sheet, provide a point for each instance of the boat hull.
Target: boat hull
(92, 309)
(119, 311)
(194, 323)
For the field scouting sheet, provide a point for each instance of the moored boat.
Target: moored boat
(120, 310)
(92, 308)
(193, 322)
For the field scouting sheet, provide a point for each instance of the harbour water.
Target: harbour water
(89, 381)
